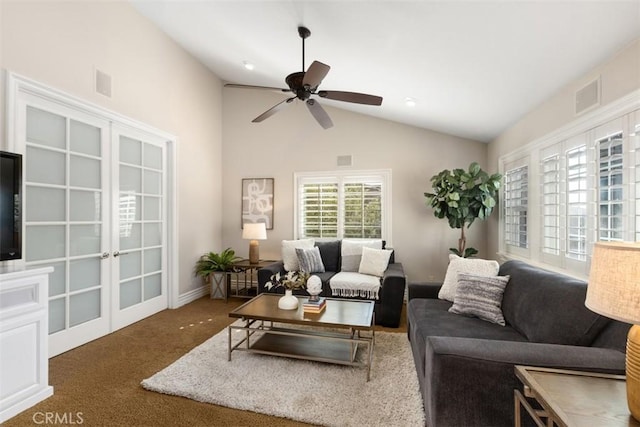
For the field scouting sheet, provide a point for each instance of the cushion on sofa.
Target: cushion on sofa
(548, 307)
(351, 252)
(480, 267)
(289, 256)
(374, 261)
(480, 296)
(352, 284)
(330, 253)
(310, 260)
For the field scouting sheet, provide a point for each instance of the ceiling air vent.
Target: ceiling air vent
(345, 160)
(588, 96)
(103, 83)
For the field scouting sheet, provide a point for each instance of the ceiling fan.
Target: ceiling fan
(304, 85)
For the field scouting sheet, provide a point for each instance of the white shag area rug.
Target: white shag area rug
(312, 392)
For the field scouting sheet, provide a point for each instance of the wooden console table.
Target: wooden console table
(572, 398)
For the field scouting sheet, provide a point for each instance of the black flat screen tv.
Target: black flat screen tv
(10, 206)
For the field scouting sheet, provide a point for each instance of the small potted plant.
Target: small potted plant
(290, 281)
(214, 267)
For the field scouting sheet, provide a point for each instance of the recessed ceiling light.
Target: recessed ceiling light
(410, 102)
(248, 65)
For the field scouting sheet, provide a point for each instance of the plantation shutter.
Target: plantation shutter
(516, 206)
(363, 209)
(343, 204)
(319, 209)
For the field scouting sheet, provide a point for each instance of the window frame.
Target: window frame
(342, 178)
(589, 129)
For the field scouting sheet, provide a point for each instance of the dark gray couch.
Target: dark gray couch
(465, 365)
(388, 306)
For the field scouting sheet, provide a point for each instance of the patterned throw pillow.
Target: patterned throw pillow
(289, 257)
(310, 260)
(480, 296)
(480, 267)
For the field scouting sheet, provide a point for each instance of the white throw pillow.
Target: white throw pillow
(374, 261)
(351, 252)
(289, 256)
(478, 267)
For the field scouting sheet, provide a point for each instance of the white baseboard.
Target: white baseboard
(192, 295)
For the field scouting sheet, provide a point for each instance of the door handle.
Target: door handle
(104, 255)
(116, 254)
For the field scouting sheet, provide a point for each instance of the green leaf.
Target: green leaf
(469, 252)
(474, 168)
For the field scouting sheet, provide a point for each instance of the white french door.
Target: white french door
(95, 209)
(138, 215)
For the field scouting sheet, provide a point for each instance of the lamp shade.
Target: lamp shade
(614, 281)
(254, 231)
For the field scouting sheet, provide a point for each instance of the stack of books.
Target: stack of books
(314, 306)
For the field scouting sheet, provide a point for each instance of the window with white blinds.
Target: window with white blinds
(516, 203)
(551, 204)
(319, 209)
(577, 203)
(589, 185)
(343, 204)
(611, 190)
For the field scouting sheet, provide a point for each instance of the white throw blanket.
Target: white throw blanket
(351, 284)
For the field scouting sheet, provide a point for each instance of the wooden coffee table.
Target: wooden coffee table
(333, 336)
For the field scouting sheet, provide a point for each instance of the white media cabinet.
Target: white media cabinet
(24, 335)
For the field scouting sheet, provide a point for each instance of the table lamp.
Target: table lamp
(614, 291)
(254, 232)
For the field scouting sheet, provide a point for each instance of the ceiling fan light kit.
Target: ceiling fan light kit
(304, 85)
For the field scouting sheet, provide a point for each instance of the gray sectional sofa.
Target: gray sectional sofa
(465, 365)
(388, 306)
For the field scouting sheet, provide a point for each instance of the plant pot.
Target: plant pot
(219, 280)
(288, 301)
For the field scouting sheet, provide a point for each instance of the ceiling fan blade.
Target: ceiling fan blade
(314, 75)
(319, 113)
(271, 111)
(256, 87)
(355, 97)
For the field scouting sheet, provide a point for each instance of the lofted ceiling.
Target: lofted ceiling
(473, 67)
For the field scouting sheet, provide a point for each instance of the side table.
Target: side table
(243, 281)
(572, 398)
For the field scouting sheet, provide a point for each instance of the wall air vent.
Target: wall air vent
(588, 96)
(345, 160)
(103, 83)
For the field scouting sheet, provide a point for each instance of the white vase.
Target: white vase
(288, 301)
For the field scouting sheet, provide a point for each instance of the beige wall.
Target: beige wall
(154, 81)
(620, 75)
(291, 141)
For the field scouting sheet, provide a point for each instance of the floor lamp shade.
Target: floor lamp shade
(614, 291)
(254, 232)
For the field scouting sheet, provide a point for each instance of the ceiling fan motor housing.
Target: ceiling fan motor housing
(294, 81)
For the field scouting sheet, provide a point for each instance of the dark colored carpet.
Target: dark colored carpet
(98, 384)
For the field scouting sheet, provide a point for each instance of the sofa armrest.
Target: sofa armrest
(391, 296)
(463, 374)
(265, 273)
(424, 290)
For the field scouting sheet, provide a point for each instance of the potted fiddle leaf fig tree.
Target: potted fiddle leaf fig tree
(214, 267)
(462, 196)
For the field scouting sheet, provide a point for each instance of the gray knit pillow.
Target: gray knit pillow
(480, 296)
(310, 260)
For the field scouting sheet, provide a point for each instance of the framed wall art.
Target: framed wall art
(257, 201)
